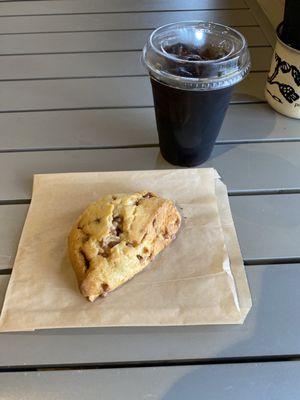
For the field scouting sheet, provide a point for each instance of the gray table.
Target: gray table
(73, 97)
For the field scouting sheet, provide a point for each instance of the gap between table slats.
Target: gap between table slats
(162, 383)
(120, 21)
(92, 6)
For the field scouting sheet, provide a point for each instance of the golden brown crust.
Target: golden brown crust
(117, 236)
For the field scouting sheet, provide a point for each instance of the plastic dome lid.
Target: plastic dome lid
(197, 55)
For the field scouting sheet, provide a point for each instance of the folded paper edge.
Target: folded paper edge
(237, 268)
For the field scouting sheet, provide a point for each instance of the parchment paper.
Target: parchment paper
(198, 280)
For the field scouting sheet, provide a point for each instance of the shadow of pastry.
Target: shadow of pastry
(67, 275)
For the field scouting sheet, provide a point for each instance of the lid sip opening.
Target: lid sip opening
(197, 55)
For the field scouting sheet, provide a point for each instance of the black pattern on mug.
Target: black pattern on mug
(287, 91)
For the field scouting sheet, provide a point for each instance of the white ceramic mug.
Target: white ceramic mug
(283, 83)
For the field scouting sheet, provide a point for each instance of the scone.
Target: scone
(117, 236)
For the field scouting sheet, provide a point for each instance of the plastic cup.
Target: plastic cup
(193, 66)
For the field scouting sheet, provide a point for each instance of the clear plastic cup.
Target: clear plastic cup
(193, 66)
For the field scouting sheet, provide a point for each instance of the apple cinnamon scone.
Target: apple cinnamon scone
(118, 236)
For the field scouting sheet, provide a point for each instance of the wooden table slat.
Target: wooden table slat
(127, 127)
(12, 218)
(93, 6)
(149, 20)
(243, 167)
(264, 381)
(101, 92)
(271, 328)
(94, 64)
(95, 41)
(268, 227)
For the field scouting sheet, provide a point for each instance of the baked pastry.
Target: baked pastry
(117, 236)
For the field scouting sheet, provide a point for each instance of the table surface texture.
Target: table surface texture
(75, 97)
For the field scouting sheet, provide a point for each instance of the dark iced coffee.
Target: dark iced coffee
(188, 122)
(193, 67)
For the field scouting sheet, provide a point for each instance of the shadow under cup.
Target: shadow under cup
(193, 67)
